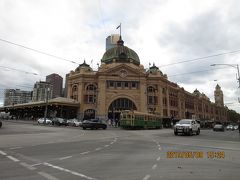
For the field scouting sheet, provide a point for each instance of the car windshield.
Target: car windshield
(184, 122)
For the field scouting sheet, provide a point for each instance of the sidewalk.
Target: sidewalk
(20, 121)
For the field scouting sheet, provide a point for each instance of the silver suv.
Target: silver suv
(187, 126)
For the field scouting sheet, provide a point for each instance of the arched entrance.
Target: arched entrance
(89, 114)
(118, 105)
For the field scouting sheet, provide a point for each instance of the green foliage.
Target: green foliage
(233, 116)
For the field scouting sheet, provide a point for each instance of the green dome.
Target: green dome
(120, 54)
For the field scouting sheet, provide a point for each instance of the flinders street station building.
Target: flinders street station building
(122, 83)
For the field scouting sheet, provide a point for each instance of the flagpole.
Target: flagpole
(120, 29)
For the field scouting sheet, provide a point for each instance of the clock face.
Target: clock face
(218, 98)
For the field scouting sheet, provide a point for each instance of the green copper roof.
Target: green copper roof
(120, 54)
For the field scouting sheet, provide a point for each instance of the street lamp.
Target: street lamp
(46, 106)
(234, 66)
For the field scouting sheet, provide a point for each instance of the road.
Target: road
(29, 151)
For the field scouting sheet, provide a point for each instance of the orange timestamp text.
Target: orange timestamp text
(196, 154)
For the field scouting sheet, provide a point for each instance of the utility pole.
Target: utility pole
(46, 106)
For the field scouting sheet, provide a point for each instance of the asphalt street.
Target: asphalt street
(30, 151)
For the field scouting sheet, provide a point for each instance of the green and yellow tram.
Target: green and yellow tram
(140, 120)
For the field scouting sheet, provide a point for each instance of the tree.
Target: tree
(233, 116)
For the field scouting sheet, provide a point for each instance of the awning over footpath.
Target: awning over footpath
(58, 107)
(59, 101)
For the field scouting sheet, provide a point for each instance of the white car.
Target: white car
(187, 126)
(41, 121)
(230, 127)
(74, 122)
(235, 127)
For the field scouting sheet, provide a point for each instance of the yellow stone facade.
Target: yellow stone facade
(121, 82)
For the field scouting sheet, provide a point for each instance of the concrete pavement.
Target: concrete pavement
(46, 152)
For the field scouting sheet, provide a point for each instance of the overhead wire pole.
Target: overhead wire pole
(234, 66)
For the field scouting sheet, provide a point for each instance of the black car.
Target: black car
(94, 124)
(59, 121)
(218, 127)
(0, 124)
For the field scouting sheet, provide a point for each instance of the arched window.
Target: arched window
(150, 89)
(74, 88)
(91, 87)
(89, 114)
(75, 92)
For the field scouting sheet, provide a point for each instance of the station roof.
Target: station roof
(59, 101)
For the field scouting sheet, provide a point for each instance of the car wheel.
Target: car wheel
(190, 132)
(175, 133)
(84, 128)
(104, 128)
(198, 132)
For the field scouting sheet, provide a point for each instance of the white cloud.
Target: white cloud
(163, 32)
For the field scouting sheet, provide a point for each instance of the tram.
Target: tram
(139, 120)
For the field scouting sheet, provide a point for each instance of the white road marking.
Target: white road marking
(36, 164)
(13, 158)
(154, 166)
(97, 149)
(146, 177)
(158, 158)
(3, 153)
(27, 166)
(85, 152)
(111, 142)
(47, 176)
(106, 145)
(18, 147)
(66, 157)
(69, 171)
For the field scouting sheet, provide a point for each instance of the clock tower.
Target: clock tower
(218, 95)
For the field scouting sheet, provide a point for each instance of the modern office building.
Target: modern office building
(41, 91)
(122, 83)
(111, 41)
(16, 96)
(57, 83)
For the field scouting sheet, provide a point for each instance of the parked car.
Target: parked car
(41, 121)
(235, 127)
(230, 127)
(74, 122)
(0, 124)
(59, 121)
(187, 126)
(93, 124)
(218, 127)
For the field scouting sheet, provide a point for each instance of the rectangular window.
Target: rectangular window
(119, 84)
(126, 84)
(134, 85)
(111, 84)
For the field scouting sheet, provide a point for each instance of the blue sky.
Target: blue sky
(160, 31)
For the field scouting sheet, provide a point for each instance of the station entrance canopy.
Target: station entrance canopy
(57, 107)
